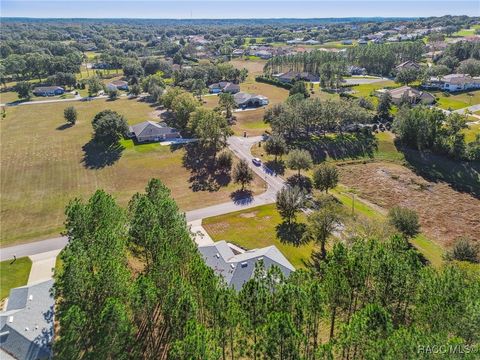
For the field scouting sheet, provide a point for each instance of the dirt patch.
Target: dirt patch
(444, 213)
(249, 215)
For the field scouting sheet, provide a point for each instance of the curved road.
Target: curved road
(240, 146)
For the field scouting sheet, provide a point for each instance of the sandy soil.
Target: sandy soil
(444, 213)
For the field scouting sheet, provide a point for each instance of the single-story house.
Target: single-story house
(26, 325)
(291, 76)
(237, 266)
(224, 86)
(312, 42)
(414, 96)
(453, 82)
(362, 42)
(117, 85)
(347, 42)
(149, 131)
(407, 65)
(245, 100)
(263, 54)
(238, 52)
(356, 70)
(48, 91)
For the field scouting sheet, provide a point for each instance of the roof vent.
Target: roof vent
(232, 266)
(217, 255)
(30, 297)
(244, 264)
(10, 319)
(260, 258)
(26, 329)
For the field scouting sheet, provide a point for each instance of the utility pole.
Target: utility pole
(353, 204)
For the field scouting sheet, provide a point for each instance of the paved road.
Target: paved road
(363, 80)
(472, 109)
(240, 146)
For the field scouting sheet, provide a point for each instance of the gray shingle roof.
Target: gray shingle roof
(27, 324)
(151, 128)
(238, 268)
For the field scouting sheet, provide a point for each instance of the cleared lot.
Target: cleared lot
(45, 164)
(445, 214)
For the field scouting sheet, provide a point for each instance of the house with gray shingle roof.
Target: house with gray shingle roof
(244, 100)
(237, 266)
(152, 131)
(26, 325)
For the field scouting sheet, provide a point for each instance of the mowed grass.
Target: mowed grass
(43, 167)
(13, 274)
(367, 91)
(472, 132)
(457, 101)
(255, 228)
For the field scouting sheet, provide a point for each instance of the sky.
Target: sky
(215, 9)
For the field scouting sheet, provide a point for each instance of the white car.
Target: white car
(257, 161)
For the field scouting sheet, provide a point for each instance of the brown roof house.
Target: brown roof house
(407, 65)
(407, 93)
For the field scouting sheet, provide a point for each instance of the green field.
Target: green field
(368, 90)
(457, 101)
(255, 228)
(13, 274)
(472, 132)
(46, 166)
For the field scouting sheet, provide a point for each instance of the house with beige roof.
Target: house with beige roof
(412, 95)
(453, 82)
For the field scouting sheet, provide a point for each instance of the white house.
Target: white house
(454, 82)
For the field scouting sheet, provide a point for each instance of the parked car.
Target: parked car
(257, 161)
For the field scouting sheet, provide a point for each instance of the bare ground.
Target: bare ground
(444, 213)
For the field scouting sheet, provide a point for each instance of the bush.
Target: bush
(70, 115)
(464, 250)
(404, 220)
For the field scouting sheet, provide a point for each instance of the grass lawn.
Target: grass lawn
(12, 96)
(457, 101)
(367, 91)
(46, 166)
(255, 228)
(471, 132)
(13, 275)
(464, 32)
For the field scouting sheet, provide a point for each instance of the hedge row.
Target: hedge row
(273, 82)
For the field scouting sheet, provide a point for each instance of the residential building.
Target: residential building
(48, 91)
(245, 100)
(454, 82)
(356, 70)
(237, 266)
(238, 52)
(407, 93)
(347, 42)
(263, 54)
(150, 131)
(117, 85)
(26, 325)
(407, 65)
(224, 86)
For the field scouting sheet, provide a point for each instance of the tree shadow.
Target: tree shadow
(275, 167)
(242, 197)
(204, 174)
(342, 146)
(64, 126)
(291, 233)
(98, 156)
(301, 181)
(462, 176)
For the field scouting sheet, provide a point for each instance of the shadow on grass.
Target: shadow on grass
(64, 126)
(341, 146)
(291, 233)
(204, 175)
(98, 156)
(301, 181)
(242, 197)
(275, 167)
(460, 175)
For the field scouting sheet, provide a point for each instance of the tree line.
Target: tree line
(133, 285)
